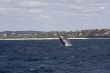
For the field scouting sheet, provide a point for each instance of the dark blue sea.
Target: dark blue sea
(49, 56)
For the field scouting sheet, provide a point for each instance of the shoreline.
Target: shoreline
(48, 38)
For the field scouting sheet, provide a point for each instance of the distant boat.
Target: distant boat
(65, 41)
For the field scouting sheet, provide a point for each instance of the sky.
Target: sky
(54, 15)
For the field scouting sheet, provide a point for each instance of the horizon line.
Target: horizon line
(50, 30)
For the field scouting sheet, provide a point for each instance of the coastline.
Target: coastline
(48, 38)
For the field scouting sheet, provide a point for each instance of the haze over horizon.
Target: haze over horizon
(54, 15)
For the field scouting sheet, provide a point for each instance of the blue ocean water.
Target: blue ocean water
(49, 56)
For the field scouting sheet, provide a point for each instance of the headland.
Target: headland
(42, 35)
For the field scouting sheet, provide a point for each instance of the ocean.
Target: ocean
(49, 56)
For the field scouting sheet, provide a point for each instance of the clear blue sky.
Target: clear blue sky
(54, 15)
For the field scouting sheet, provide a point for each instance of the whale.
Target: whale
(64, 41)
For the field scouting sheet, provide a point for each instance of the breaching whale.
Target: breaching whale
(64, 41)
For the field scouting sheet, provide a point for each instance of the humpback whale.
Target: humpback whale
(64, 41)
